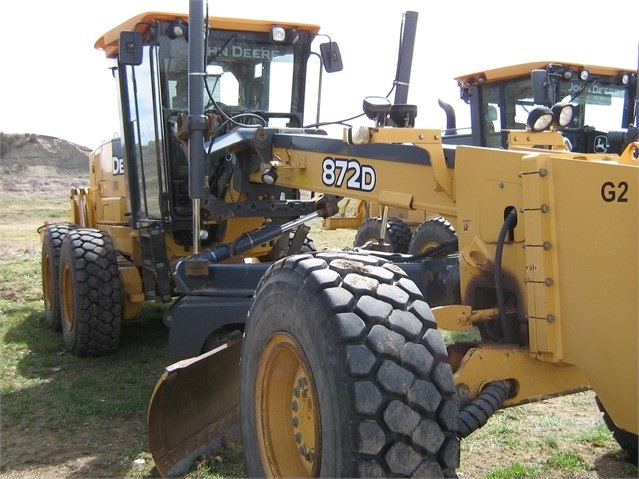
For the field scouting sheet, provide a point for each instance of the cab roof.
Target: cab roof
(109, 42)
(523, 69)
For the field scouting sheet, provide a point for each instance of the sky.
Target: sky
(53, 82)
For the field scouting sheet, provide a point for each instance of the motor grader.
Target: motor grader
(499, 100)
(332, 363)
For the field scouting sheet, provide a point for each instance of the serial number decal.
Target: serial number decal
(614, 192)
(338, 172)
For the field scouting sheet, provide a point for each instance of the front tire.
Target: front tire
(627, 440)
(90, 305)
(343, 374)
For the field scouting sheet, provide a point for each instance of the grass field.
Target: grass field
(71, 417)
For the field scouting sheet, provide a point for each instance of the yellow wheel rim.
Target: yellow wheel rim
(47, 278)
(287, 413)
(428, 245)
(66, 297)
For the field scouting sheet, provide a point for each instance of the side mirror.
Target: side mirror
(331, 57)
(130, 52)
(541, 87)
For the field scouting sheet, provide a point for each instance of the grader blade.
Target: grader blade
(194, 406)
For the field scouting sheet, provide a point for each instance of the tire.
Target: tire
(343, 374)
(51, 243)
(627, 440)
(430, 234)
(308, 245)
(398, 234)
(290, 248)
(90, 305)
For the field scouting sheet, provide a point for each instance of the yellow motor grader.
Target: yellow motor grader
(332, 363)
(499, 100)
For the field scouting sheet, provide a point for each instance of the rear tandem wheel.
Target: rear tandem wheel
(398, 234)
(343, 374)
(430, 234)
(51, 245)
(90, 305)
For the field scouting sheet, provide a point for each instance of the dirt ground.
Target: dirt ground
(87, 454)
(568, 419)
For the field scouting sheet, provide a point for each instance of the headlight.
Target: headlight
(563, 113)
(376, 108)
(539, 119)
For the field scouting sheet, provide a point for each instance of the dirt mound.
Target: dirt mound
(40, 155)
(40, 165)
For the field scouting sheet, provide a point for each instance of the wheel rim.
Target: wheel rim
(47, 280)
(369, 239)
(428, 245)
(287, 414)
(66, 297)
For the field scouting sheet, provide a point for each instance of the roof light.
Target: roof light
(178, 28)
(584, 74)
(278, 33)
(294, 36)
(539, 119)
(623, 78)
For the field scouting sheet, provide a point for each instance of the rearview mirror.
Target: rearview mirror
(331, 57)
(130, 52)
(541, 87)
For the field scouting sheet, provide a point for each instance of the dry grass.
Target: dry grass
(64, 428)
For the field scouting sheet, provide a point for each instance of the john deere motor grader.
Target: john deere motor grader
(136, 217)
(331, 363)
(499, 100)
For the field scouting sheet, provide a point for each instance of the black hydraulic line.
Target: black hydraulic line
(243, 243)
(509, 224)
(477, 412)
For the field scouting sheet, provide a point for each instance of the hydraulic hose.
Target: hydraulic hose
(509, 223)
(477, 412)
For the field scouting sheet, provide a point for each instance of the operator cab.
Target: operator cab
(255, 75)
(502, 99)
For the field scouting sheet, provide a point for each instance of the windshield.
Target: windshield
(245, 72)
(599, 105)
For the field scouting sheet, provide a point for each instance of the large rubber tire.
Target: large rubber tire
(343, 374)
(90, 305)
(51, 244)
(627, 440)
(430, 234)
(398, 234)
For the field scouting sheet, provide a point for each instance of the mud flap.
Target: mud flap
(194, 406)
